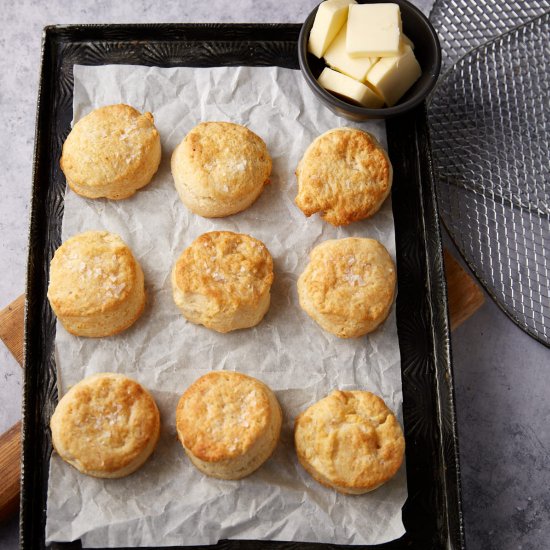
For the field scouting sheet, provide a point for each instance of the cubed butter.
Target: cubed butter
(338, 58)
(374, 30)
(405, 41)
(329, 19)
(349, 89)
(391, 77)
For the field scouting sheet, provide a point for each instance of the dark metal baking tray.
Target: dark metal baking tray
(432, 514)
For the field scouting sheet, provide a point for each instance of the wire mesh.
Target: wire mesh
(489, 122)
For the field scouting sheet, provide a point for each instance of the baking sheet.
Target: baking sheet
(168, 502)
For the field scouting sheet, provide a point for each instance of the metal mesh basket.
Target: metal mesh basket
(489, 122)
(463, 25)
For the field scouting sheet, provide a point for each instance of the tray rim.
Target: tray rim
(51, 36)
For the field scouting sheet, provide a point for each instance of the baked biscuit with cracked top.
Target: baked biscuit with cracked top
(223, 281)
(106, 426)
(220, 168)
(111, 152)
(96, 285)
(349, 441)
(348, 286)
(228, 423)
(345, 175)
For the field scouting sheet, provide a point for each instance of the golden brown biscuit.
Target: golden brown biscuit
(349, 441)
(223, 281)
(344, 174)
(111, 152)
(107, 426)
(349, 285)
(96, 285)
(228, 424)
(220, 168)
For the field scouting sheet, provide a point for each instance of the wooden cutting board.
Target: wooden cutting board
(12, 334)
(464, 295)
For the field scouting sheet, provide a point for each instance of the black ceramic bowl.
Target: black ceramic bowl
(426, 49)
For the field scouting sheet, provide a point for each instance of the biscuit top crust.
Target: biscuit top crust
(104, 422)
(223, 161)
(222, 414)
(108, 145)
(90, 273)
(344, 174)
(230, 268)
(351, 438)
(350, 278)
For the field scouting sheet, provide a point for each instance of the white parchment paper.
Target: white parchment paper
(168, 502)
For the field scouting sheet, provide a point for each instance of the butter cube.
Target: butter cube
(349, 89)
(338, 58)
(329, 19)
(405, 41)
(391, 77)
(374, 30)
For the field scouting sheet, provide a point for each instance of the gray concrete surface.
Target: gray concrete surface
(502, 376)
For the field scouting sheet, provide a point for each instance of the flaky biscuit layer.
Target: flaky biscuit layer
(348, 286)
(111, 152)
(107, 426)
(349, 441)
(96, 285)
(223, 281)
(220, 168)
(229, 424)
(345, 175)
